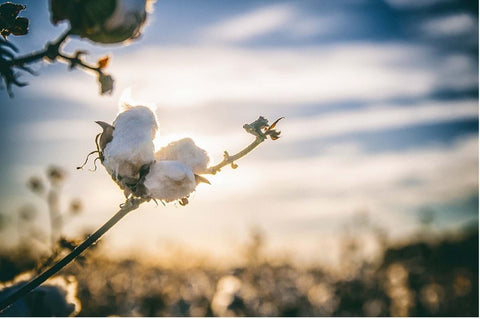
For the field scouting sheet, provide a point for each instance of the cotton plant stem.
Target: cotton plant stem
(52, 52)
(130, 205)
(75, 61)
(55, 216)
(52, 48)
(230, 159)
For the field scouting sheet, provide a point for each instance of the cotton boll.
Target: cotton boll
(227, 301)
(186, 152)
(132, 144)
(169, 180)
(55, 298)
(102, 21)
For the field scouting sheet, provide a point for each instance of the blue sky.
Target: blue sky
(380, 100)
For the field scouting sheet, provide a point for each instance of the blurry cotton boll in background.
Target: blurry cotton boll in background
(55, 298)
(102, 21)
(226, 302)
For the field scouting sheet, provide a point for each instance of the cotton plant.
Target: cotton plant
(103, 22)
(34, 250)
(127, 152)
(124, 147)
(169, 174)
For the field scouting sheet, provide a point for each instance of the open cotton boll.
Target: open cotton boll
(169, 180)
(186, 152)
(102, 21)
(132, 144)
(55, 298)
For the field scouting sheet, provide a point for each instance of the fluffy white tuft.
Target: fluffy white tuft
(186, 152)
(132, 143)
(169, 180)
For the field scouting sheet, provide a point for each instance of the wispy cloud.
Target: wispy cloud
(377, 118)
(452, 25)
(414, 4)
(296, 129)
(55, 130)
(440, 174)
(198, 76)
(252, 24)
(284, 18)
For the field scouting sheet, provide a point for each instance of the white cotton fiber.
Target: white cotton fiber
(186, 152)
(169, 180)
(132, 143)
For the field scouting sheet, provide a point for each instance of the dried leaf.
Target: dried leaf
(200, 179)
(9, 22)
(20, 27)
(106, 83)
(103, 62)
(275, 123)
(274, 135)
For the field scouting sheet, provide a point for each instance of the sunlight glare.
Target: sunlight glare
(126, 99)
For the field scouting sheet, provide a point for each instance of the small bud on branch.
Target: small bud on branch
(261, 130)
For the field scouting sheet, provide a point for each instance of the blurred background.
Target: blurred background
(367, 204)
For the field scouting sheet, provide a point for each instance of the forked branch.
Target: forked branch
(52, 52)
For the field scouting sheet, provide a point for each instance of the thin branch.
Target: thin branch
(75, 61)
(130, 205)
(261, 130)
(230, 159)
(51, 51)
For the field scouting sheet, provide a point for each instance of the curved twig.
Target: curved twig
(52, 52)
